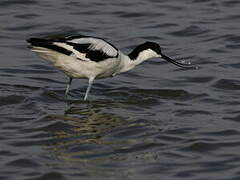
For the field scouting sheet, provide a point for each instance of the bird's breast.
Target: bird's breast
(108, 67)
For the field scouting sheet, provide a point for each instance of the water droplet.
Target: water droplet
(183, 61)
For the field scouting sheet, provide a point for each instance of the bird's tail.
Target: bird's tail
(38, 42)
(44, 48)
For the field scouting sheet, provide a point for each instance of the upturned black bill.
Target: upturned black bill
(183, 65)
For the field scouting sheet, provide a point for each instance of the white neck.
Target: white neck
(145, 55)
(129, 64)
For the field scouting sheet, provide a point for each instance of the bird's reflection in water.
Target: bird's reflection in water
(83, 134)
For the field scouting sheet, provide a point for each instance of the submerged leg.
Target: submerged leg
(68, 86)
(90, 82)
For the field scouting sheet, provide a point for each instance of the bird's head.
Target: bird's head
(150, 50)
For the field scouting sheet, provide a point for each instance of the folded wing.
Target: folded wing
(84, 48)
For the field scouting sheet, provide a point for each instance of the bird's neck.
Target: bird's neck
(129, 62)
(137, 57)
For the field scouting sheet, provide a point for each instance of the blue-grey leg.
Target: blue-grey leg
(90, 82)
(68, 86)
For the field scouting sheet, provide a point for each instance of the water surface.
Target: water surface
(155, 122)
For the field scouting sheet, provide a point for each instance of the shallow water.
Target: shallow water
(156, 121)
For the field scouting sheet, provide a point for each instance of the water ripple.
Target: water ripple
(12, 99)
(50, 175)
(227, 84)
(155, 122)
(6, 3)
(190, 31)
(24, 163)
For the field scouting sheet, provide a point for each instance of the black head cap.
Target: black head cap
(153, 46)
(145, 46)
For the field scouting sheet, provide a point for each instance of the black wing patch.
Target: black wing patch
(93, 55)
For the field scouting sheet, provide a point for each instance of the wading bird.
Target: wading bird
(92, 58)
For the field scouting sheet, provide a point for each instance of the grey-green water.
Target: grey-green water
(155, 122)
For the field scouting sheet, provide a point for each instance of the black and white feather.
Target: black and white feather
(84, 48)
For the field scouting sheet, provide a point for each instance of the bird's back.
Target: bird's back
(78, 56)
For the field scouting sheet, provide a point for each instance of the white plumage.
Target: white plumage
(91, 57)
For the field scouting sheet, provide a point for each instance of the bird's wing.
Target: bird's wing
(84, 48)
(89, 48)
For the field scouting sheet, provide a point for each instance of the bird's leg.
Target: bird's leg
(90, 82)
(68, 86)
